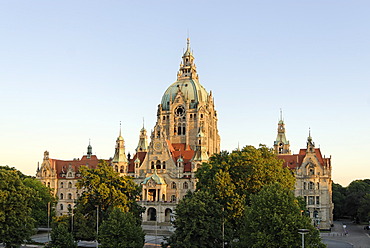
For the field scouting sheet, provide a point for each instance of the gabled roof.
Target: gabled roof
(61, 166)
(295, 160)
(131, 164)
(181, 150)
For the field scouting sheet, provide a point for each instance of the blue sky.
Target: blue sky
(70, 71)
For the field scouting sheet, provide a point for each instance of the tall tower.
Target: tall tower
(185, 107)
(120, 161)
(281, 144)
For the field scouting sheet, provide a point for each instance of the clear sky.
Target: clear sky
(70, 71)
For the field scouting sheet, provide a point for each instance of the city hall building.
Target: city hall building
(185, 135)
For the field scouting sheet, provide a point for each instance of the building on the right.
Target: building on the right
(313, 177)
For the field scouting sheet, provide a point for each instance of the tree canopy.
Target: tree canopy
(104, 190)
(120, 230)
(352, 201)
(228, 181)
(198, 223)
(16, 222)
(273, 220)
(233, 177)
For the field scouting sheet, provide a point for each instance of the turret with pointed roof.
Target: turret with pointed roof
(281, 144)
(120, 161)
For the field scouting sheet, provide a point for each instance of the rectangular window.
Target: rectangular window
(317, 199)
(311, 200)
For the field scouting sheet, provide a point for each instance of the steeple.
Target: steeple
(188, 69)
(120, 155)
(310, 143)
(281, 144)
(200, 154)
(142, 146)
(89, 150)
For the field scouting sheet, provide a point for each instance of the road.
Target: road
(356, 235)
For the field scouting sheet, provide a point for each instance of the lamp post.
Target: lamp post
(97, 225)
(48, 221)
(303, 232)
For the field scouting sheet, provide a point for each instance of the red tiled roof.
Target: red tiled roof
(180, 149)
(131, 164)
(295, 160)
(62, 165)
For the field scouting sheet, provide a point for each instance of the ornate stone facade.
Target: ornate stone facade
(313, 177)
(184, 136)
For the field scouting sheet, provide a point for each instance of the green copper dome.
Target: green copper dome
(191, 89)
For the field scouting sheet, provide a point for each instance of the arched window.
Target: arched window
(158, 164)
(173, 198)
(69, 206)
(61, 206)
(183, 130)
(69, 196)
(69, 185)
(173, 185)
(311, 185)
(116, 168)
(152, 165)
(69, 174)
(61, 184)
(191, 116)
(312, 172)
(122, 169)
(61, 196)
(49, 184)
(164, 165)
(186, 186)
(179, 130)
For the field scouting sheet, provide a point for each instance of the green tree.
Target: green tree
(61, 235)
(104, 189)
(198, 222)
(121, 230)
(339, 199)
(355, 195)
(16, 223)
(273, 219)
(233, 178)
(42, 197)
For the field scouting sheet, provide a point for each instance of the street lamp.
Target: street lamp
(97, 225)
(303, 232)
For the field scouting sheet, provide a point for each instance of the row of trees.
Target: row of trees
(352, 201)
(24, 203)
(243, 199)
(108, 199)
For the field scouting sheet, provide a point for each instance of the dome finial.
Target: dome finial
(120, 129)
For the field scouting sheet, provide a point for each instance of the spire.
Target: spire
(120, 155)
(142, 146)
(89, 150)
(281, 144)
(188, 69)
(120, 127)
(310, 143)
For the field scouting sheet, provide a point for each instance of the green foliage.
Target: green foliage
(16, 223)
(273, 219)
(353, 201)
(121, 230)
(233, 178)
(42, 196)
(339, 199)
(61, 235)
(198, 222)
(103, 189)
